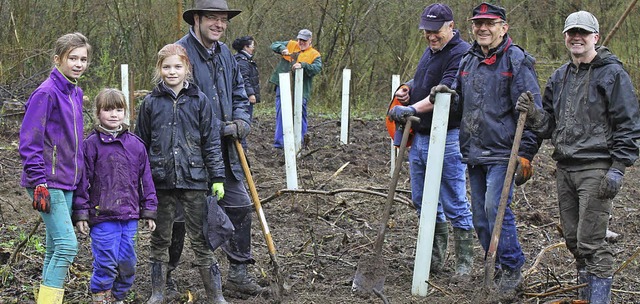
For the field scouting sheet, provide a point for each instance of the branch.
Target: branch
(332, 192)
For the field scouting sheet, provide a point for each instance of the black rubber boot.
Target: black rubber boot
(510, 279)
(583, 277)
(439, 250)
(464, 252)
(175, 252)
(212, 284)
(599, 289)
(158, 275)
(240, 283)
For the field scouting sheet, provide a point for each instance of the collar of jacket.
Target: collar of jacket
(63, 83)
(205, 53)
(246, 55)
(123, 128)
(160, 90)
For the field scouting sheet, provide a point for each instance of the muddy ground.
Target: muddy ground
(320, 237)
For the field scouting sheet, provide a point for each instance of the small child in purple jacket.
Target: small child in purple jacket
(116, 190)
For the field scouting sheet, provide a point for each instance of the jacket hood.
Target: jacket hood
(191, 89)
(604, 57)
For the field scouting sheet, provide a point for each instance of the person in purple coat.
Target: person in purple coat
(52, 161)
(116, 190)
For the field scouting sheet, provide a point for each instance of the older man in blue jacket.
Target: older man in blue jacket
(439, 65)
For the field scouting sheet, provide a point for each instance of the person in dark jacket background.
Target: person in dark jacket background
(52, 159)
(245, 47)
(216, 72)
(115, 191)
(182, 136)
(439, 65)
(590, 113)
(491, 77)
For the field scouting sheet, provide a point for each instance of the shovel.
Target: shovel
(490, 261)
(370, 275)
(277, 292)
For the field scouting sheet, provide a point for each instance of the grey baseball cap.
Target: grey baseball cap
(583, 20)
(304, 34)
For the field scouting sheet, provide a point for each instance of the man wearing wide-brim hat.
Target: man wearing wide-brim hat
(216, 73)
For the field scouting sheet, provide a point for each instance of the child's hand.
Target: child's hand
(151, 224)
(83, 227)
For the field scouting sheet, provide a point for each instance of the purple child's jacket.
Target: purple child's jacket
(117, 183)
(51, 135)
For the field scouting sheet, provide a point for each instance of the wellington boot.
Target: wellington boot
(464, 252)
(241, 284)
(171, 291)
(439, 250)
(583, 277)
(50, 295)
(212, 284)
(599, 289)
(158, 276)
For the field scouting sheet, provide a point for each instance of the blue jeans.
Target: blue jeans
(61, 242)
(278, 138)
(452, 203)
(486, 185)
(114, 257)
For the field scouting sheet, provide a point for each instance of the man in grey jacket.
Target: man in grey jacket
(216, 72)
(590, 112)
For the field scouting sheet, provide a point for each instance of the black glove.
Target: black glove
(237, 129)
(400, 113)
(441, 88)
(41, 199)
(525, 104)
(611, 182)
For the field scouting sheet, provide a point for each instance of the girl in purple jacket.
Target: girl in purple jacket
(115, 191)
(52, 159)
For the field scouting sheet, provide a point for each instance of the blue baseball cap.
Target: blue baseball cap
(434, 16)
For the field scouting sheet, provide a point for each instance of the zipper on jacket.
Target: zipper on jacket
(75, 134)
(53, 159)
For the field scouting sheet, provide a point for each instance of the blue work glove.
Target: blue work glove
(217, 189)
(441, 88)
(611, 182)
(400, 113)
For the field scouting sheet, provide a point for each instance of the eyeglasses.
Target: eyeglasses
(479, 23)
(578, 31)
(215, 18)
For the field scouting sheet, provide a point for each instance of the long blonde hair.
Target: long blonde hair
(167, 51)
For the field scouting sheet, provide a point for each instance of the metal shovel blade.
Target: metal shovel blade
(370, 275)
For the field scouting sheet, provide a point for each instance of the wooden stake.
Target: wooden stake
(619, 23)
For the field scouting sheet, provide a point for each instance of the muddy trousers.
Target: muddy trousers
(486, 186)
(114, 257)
(585, 219)
(61, 241)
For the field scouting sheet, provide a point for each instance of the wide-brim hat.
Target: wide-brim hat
(217, 6)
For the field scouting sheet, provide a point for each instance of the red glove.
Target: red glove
(524, 171)
(41, 199)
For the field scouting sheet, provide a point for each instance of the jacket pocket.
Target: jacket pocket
(157, 168)
(196, 169)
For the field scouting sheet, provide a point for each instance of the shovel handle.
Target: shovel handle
(256, 200)
(504, 195)
(377, 246)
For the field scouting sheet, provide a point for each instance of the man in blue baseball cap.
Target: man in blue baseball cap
(438, 65)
